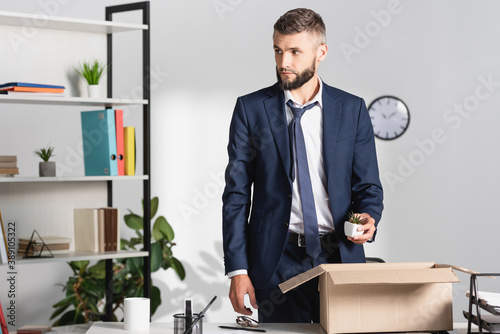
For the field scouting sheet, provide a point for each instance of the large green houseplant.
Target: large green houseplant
(85, 289)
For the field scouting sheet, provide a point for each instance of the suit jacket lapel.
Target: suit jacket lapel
(276, 114)
(332, 106)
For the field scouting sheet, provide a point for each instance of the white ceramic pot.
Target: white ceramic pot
(93, 91)
(351, 230)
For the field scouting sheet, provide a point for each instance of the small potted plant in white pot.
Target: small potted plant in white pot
(92, 72)
(352, 224)
(46, 167)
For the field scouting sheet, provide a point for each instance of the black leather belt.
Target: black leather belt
(300, 239)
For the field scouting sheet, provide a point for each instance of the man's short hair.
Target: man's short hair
(299, 20)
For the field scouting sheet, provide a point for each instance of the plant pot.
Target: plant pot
(351, 230)
(93, 91)
(47, 168)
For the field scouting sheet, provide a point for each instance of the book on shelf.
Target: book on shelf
(29, 93)
(8, 158)
(119, 141)
(129, 149)
(30, 88)
(4, 247)
(29, 84)
(86, 230)
(9, 171)
(8, 165)
(22, 246)
(33, 329)
(99, 142)
(97, 229)
(47, 239)
(3, 324)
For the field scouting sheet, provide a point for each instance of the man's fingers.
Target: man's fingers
(240, 286)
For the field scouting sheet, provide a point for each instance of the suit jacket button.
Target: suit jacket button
(286, 224)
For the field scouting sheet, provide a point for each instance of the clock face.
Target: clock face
(390, 117)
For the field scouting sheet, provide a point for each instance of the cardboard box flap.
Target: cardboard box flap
(394, 276)
(301, 278)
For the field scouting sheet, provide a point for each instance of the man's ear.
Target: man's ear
(321, 52)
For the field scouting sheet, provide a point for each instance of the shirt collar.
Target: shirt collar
(317, 98)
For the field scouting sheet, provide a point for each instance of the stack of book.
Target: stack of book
(33, 329)
(108, 146)
(26, 88)
(8, 165)
(42, 244)
(490, 320)
(97, 230)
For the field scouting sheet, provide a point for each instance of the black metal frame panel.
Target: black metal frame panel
(146, 84)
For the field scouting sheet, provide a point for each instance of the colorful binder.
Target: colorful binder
(129, 142)
(99, 142)
(119, 142)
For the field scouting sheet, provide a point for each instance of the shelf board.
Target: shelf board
(75, 101)
(80, 256)
(42, 21)
(18, 179)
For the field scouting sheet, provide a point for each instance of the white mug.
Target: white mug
(136, 313)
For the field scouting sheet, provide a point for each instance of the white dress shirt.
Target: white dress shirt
(312, 127)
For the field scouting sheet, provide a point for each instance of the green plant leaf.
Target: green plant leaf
(162, 229)
(155, 299)
(134, 266)
(155, 202)
(178, 267)
(134, 221)
(156, 256)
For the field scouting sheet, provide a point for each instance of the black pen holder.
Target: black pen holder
(181, 323)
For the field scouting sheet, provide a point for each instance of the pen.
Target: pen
(202, 313)
(244, 328)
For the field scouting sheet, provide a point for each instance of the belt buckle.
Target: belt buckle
(301, 243)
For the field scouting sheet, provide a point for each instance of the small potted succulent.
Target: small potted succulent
(46, 167)
(92, 71)
(352, 224)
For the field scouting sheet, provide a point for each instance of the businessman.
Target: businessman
(301, 157)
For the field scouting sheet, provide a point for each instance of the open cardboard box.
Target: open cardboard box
(383, 297)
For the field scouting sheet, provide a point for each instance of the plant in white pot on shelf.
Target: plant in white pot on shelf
(351, 225)
(92, 72)
(46, 167)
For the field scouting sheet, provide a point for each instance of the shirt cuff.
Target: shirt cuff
(237, 272)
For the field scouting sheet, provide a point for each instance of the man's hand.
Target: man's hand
(368, 226)
(240, 286)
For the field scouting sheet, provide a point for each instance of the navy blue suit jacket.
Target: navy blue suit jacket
(255, 220)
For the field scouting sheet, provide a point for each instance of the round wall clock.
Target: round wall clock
(390, 117)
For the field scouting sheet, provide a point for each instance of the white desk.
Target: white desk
(211, 328)
(208, 328)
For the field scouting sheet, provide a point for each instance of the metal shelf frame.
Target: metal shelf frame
(146, 110)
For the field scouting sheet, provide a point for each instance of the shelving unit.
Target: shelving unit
(109, 28)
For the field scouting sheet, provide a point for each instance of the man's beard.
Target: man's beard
(300, 79)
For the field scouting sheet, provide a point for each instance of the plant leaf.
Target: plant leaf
(155, 299)
(155, 202)
(162, 229)
(134, 221)
(156, 256)
(178, 267)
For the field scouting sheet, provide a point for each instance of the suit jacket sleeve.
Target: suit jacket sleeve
(366, 188)
(237, 193)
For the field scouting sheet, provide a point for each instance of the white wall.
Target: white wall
(439, 177)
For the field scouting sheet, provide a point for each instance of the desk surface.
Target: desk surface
(208, 328)
(211, 328)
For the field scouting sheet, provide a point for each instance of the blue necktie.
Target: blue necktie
(311, 233)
